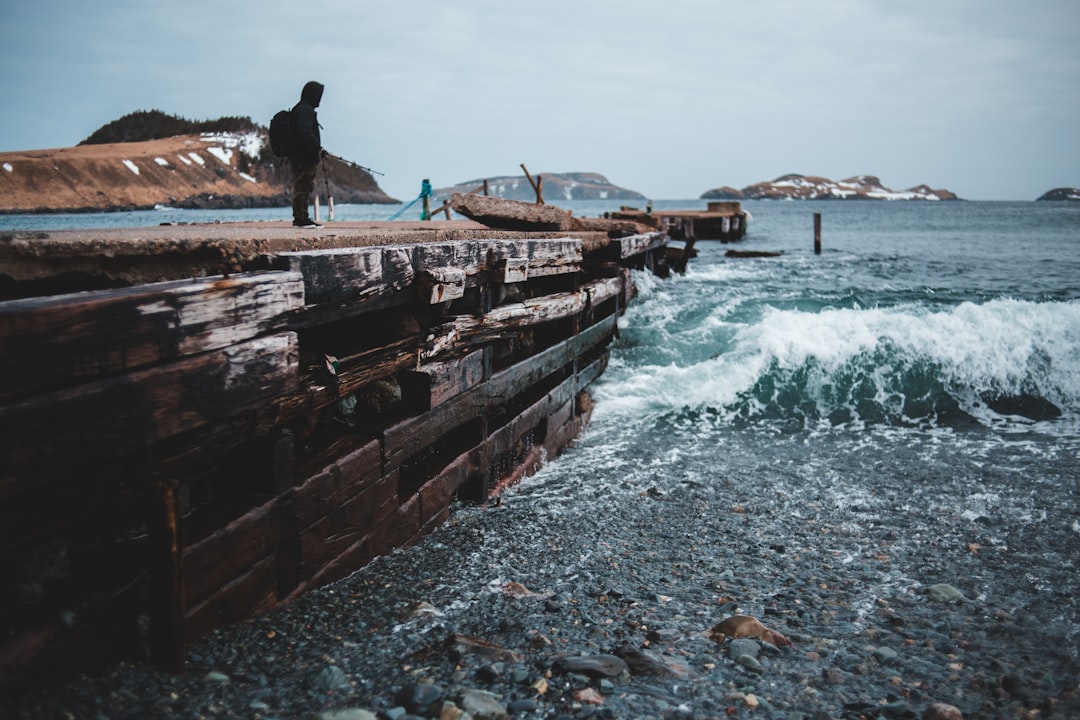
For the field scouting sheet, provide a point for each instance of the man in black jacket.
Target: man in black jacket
(306, 151)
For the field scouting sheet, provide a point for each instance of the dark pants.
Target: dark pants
(303, 185)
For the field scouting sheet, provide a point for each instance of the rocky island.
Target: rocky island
(812, 187)
(561, 186)
(1065, 193)
(148, 158)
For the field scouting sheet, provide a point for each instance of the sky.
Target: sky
(673, 98)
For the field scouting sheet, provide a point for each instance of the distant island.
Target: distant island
(1069, 194)
(811, 187)
(148, 158)
(556, 186)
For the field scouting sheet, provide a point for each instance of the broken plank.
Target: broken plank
(517, 315)
(406, 438)
(435, 382)
(436, 285)
(636, 244)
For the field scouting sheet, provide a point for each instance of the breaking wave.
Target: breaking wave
(1002, 361)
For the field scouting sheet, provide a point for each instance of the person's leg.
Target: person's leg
(303, 186)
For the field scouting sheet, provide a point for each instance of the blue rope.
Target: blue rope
(425, 191)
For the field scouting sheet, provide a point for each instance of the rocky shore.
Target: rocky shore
(571, 602)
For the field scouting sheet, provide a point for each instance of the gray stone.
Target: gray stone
(596, 666)
(749, 662)
(482, 705)
(329, 679)
(744, 646)
(944, 592)
(418, 697)
(885, 655)
(215, 678)
(347, 714)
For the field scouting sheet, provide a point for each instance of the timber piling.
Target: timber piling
(199, 423)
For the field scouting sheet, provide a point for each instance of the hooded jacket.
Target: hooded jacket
(307, 143)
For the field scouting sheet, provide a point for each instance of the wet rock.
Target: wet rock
(419, 697)
(589, 696)
(215, 678)
(645, 662)
(749, 662)
(885, 655)
(328, 679)
(944, 592)
(482, 705)
(595, 666)
(743, 646)
(942, 711)
(458, 646)
(347, 714)
(524, 705)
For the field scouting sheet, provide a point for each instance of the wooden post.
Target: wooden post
(535, 187)
(427, 203)
(817, 233)
(167, 622)
(485, 186)
(539, 189)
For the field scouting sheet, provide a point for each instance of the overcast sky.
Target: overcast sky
(672, 98)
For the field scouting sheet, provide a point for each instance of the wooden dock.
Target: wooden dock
(199, 423)
(723, 221)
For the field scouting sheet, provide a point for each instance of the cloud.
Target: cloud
(668, 99)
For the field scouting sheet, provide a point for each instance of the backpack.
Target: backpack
(281, 133)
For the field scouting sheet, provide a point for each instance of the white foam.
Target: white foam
(1002, 347)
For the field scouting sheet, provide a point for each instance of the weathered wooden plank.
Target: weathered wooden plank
(343, 471)
(437, 493)
(227, 554)
(505, 437)
(526, 373)
(516, 315)
(41, 654)
(49, 342)
(515, 260)
(466, 256)
(118, 416)
(336, 274)
(405, 438)
(436, 382)
(436, 285)
(636, 244)
(511, 214)
(249, 594)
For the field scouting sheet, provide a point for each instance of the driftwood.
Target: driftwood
(512, 214)
(751, 254)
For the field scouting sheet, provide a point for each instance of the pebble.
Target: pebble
(625, 598)
(482, 705)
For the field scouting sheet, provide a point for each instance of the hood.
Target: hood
(312, 93)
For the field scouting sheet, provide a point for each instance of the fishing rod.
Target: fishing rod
(355, 165)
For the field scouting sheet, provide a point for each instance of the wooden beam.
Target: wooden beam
(337, 274)
(49, 342)
(118, 416)
(167, 623)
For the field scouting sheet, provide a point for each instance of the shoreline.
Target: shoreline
(490, 604)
